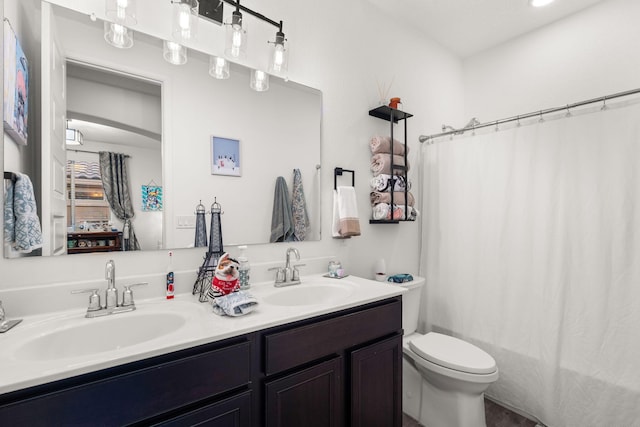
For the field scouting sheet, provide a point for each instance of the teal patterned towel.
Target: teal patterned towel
(299, 208)
(21, 223)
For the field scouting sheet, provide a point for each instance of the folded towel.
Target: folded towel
(281, 221)
(381, 164)
(383, 211)
(234, 304)
(400, 278)
(299, 208)
(22, 225)
(345, 213)
(398, 198)
(382, 144)
(385, 182)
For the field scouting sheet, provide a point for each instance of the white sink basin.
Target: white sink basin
(99, 335)
(313, 293)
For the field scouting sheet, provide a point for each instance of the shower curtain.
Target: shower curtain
(115, 181)
(531, 249)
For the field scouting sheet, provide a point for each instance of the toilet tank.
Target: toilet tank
(411, 304)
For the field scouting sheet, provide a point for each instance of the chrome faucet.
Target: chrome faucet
(289, 275)
(5, 324)
(112, 306)
(111, 294)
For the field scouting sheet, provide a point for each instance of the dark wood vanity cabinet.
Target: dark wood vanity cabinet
(339, 369)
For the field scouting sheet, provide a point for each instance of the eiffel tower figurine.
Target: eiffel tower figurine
(207, 270)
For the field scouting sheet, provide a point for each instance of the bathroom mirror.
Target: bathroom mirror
(276, 132)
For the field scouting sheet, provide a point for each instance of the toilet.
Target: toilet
(444, 378)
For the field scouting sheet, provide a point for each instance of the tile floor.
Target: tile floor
(496, 416)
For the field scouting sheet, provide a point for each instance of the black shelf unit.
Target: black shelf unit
(393, 116)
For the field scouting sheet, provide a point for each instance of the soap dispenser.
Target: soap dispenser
(243, 268)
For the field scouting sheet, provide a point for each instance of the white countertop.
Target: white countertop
(201, 326)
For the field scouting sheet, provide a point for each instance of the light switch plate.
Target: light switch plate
(185, 221)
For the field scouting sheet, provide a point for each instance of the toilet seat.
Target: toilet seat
(452, 353)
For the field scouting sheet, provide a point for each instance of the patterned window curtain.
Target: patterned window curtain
(115, 181)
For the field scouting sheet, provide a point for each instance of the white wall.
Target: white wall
(587, 55)
(341, 48)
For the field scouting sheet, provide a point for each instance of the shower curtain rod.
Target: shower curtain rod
(90, 152)
(540, 113)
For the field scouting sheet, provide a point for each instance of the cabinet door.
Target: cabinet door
(232, 412)
(376, 384)
(309, 398)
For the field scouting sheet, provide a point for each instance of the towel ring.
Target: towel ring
(339, 171)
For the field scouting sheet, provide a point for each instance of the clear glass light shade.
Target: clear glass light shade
(218, 67)
(121, 11)
(278, 58)
(185, 19)
(259, 80)
(236, 39)
(174, 53)
(118, 35)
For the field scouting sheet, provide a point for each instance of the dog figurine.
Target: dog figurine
(225, 279)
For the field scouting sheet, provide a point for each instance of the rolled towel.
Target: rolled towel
(382, 144)
(383, 211)
(381, 164)
(380, 211)
(398, 198)
(385, 182)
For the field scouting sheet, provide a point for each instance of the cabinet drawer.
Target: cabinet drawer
(134, 396)
(293, 347)
(232, 412)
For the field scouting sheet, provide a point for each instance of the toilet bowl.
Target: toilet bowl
(444, 378)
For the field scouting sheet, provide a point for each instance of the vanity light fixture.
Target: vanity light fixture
(218, 67)
(185, 19)
(236, 42)
(118, 35)
(540, 3)
(259, 81)
(174, 53)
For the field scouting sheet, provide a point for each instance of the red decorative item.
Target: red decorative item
(394, 103)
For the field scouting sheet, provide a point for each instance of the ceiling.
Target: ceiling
(467, 27)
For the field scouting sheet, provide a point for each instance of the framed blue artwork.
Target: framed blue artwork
(225, 156)
(151, 198)
(16, 87)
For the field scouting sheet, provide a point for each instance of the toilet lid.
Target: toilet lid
(453, 353)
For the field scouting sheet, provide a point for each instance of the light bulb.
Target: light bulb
(278, 57)
(184, 16)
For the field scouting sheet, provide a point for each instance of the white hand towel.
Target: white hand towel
(346, 222)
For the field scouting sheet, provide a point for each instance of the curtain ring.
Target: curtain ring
(568, 112)
(604, 103)
(497, 128)
(541, 119)
(519, 124)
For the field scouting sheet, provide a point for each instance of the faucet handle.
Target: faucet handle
(296, 273)
(94, 299)
(127, 295)
(279, 274)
